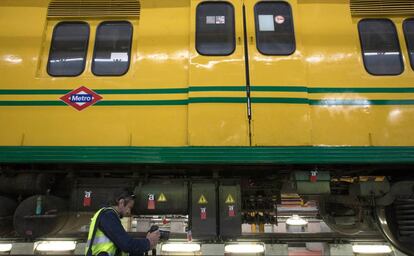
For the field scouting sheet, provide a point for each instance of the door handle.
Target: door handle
(251, 40)
(239, 40)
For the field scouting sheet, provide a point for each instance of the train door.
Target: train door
(217, 110)
(279, 101)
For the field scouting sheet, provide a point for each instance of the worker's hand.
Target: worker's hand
(153, 238)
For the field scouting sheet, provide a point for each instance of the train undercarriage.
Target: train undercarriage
(214, 205)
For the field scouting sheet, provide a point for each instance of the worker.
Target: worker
(107, 237)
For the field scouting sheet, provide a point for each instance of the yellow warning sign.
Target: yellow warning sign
(229, 199)
(202, 200)
(162, 198)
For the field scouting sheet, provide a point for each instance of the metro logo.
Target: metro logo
(81, 98)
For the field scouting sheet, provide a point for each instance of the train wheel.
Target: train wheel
(40, 215)
(395, 216)
(396, 222)
(344, 219)
(8, 206)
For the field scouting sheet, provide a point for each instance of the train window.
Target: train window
(409, 39)
(68, 49)
(215, 28)
(274, 28)
(380, 47)
(112, 48)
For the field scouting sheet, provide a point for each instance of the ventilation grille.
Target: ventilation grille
(94, 8)
(404, 210)
(382, 7)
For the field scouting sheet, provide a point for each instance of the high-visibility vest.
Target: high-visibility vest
(101, 243)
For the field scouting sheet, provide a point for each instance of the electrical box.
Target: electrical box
(312, 182)
(230, 209)
(162, 197)
(203, 210)
(92, 194)
(370, 188)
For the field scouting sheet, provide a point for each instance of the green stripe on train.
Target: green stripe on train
(208, 155)
(224, 100)
(256, 88)
(100, 103)
(99, 91)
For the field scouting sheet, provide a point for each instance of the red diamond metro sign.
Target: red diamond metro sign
(81, 98)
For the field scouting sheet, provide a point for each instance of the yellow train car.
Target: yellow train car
(315, 92)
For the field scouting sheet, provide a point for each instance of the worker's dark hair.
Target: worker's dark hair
(122, 194)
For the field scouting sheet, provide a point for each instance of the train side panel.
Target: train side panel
(349, 106)
(174, 96)
(280, 112)
(217, 110)
(155, 114)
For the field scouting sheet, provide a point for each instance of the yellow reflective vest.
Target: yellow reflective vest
(101, 243)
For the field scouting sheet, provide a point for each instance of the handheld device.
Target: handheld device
(164, 235)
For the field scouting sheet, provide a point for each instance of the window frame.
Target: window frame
(256, 25)
(398, 43)
(96, 41)
(86, 48)
(234, 28)
(406, 42)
